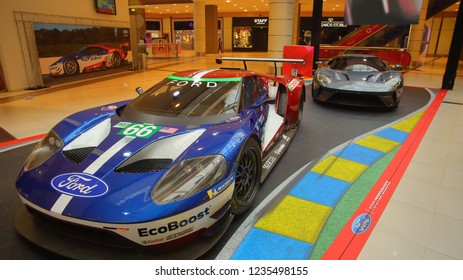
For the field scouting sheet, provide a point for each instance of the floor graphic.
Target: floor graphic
(305, 223)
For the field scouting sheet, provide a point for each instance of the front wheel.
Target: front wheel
(247, 178)
(70, 66)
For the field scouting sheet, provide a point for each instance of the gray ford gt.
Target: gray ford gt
(358, 80)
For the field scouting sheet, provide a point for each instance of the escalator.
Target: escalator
(377, 39)
(373, 39)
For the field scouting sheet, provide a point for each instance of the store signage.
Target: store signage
(332, 23)
(260, 21)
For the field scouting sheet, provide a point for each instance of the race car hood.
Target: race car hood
(108, 166)
(362, 81)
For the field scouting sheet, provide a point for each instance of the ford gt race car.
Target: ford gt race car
(89, 58)
(358, 80)
(162, 175)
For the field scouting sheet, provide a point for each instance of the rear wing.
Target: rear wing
(219, 60)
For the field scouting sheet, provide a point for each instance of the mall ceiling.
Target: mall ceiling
(169, 7)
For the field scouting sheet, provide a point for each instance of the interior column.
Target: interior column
(199, 18)
(280, 31)
(212, 29)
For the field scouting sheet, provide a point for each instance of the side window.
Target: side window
(251, 90)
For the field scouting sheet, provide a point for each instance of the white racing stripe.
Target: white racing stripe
(61, 203)
(64, 199)
(92, 168)
(203, 73)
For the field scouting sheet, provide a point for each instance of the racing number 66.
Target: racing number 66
(140, 130)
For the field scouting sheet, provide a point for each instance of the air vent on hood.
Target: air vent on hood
(145, 165)
(78, 155)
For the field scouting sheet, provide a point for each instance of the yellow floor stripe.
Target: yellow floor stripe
(296, 218)
(339, 168)
(408, 124)
(378, 143)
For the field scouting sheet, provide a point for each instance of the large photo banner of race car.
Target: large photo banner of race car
(73, 52)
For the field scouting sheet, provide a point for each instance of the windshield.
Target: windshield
(180, 98)
(358, 64)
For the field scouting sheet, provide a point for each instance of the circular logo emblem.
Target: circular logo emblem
(361, 223)
(79, 184)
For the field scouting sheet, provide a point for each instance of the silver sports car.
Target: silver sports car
(358, 80)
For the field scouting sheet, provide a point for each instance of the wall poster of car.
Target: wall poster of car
(71, 50)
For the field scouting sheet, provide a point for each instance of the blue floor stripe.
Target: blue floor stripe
(360, 154)
(263, 245)
(393, 134)
(320, 189)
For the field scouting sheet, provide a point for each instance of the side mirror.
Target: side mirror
(139, 90)
(397, 67)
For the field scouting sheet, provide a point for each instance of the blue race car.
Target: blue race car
(160, 176)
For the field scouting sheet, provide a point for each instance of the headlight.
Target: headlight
(393, 82)
(324, 79)
(188, 177)
(44, 150)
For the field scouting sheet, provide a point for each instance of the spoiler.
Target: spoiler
(219, 60)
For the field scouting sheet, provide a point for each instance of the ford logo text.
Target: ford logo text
(79, 184)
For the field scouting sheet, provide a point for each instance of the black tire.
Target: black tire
(247, 179)
(117, 60)
(70, 66)
(300, 111)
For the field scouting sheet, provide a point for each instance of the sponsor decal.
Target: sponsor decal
(293, 84)
(280, 149)
(195, 83)
(270, 161)
(286, 137)
(218, 189)
(179, 234)
(153, 241)
(361, 223)
(174, 225)
(79, 184)
(140, 130)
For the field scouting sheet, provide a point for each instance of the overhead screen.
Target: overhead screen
(399, 12)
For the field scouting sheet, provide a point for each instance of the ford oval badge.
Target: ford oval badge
(79, 184)
(361, 223)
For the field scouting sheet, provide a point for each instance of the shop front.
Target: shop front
(332, 30)
(153, 30)
(250, 34)
(184, 33)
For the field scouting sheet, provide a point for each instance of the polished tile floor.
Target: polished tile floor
(424, 218)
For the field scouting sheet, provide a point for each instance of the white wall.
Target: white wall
(12, 57)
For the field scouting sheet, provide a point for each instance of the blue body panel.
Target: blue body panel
(128, 199)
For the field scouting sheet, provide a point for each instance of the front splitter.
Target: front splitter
(37, 232)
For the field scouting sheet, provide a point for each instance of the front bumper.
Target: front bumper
(187, 235)
(40, 233)
(355, 98)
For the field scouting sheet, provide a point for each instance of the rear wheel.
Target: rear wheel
(247, 179)
(117, 60)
